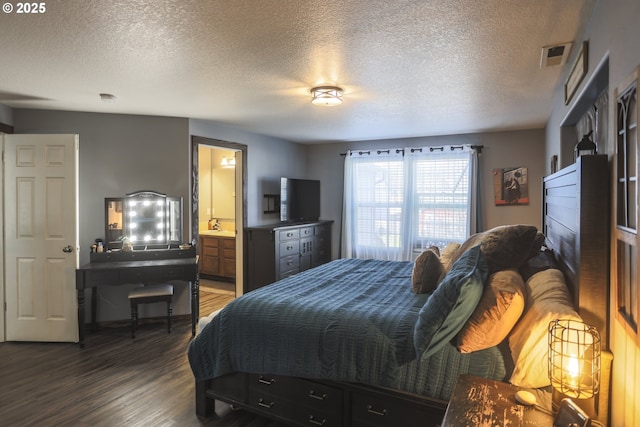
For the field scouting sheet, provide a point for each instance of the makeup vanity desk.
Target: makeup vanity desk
(138, 266)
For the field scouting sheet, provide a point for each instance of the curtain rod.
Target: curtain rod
(413, 150)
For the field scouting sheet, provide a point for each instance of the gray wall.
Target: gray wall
(612, 33)
(6, 115)
(267, 160)
(501, 150)
(120, 154)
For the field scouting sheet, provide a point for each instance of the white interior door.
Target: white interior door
(41, 237)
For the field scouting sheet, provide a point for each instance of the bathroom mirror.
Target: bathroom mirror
(145, 218)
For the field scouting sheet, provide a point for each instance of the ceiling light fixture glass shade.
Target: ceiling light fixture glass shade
(328, 96)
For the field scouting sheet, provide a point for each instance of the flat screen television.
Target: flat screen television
(299, 200)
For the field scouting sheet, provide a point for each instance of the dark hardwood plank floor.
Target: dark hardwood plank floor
(113, 381)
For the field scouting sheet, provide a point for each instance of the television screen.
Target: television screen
(299, 199)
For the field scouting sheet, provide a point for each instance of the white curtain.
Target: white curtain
(398, 202)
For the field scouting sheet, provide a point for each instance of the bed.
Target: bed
(380, 343)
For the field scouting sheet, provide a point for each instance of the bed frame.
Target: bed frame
(576, 225)
(575, 221)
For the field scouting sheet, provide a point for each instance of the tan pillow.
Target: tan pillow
(547, 299)
(447, 253)
(499, 309)
(504, 247)
(427, 272)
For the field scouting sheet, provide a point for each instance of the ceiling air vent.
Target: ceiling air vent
(554, 55)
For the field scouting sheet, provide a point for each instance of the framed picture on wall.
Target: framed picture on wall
(510, 186)
(577, 73)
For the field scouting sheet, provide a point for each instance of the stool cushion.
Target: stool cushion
(151, 291)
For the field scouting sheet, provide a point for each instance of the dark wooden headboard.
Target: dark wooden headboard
(575, 222)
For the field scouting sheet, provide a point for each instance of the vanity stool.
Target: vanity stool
(149, 294)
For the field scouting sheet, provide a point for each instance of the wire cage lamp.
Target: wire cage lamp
(574, 358)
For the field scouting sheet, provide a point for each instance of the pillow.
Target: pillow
(427, 271)
(547, 300)
(536, 247)
(447, 254)
(499, 309)
(505, 246)
(543, 260)
(448, 308)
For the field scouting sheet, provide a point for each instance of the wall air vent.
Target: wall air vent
(554, 55)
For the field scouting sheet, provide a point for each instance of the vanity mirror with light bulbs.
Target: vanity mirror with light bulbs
(145, 219)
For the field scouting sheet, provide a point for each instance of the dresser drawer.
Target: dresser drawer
(270, 403)
(306, 232)
(210, 242)
(290, 248)
(154, 275)
(304, 402)
(289, 234)
(210, 251)
(373, 411)
(305, 416)
(289, 263)
(103, 277)
(320, 397)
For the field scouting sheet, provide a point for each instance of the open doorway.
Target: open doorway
(218, 218)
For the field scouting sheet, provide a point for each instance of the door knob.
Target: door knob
(67, 249)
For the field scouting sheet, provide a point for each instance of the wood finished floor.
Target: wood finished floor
(113, 381)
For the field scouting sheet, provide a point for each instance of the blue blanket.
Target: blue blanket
(350, 320)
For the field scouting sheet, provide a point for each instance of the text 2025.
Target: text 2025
(31, 7)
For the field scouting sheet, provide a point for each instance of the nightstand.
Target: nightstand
(483, 402)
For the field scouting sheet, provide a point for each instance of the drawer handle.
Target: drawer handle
(289, 248)
(313, 395)
(264, 404)
(313, 421)
(262, 380)
(374, 412)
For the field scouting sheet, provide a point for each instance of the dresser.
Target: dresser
(277, 251)
(218, 256)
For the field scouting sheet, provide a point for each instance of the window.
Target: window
(626, 230)
(399, 202)
(441, 199)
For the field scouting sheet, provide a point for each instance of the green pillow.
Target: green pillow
(446, 311)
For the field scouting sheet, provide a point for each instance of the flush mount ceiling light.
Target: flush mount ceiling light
(327, 96)
(107, 97)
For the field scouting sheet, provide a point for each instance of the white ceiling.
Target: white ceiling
(408, 67)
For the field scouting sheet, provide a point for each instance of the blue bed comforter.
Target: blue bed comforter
(350, 320)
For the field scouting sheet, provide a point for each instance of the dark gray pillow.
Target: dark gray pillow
(451, 304)
(505, 246)
(544, 260)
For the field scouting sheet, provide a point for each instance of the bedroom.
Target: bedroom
(109, 135)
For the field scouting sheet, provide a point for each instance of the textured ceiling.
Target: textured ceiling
(408, 68)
